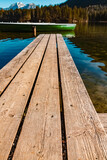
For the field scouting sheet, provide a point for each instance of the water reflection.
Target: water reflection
(11, 44)
(88, 47)
(68, 34)
(14, 35)
(89, 51)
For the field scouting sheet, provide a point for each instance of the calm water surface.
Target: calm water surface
(88, 47)
(11, 44)
(89, 51)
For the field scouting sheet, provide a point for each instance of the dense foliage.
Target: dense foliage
(84, 3)
(55, 14)
(97, 13)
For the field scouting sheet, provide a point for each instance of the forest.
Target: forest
(83, 3)
(56, 14)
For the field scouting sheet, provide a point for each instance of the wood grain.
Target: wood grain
(41, 134)
(14, 99)
(7, 72)
(103, 118)
(86, 137)
(40, 138)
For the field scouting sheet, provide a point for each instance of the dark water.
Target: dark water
(89, 51)
(11, 44)
(88, 47)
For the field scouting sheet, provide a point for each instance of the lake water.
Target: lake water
(11, 44)
(88, 47)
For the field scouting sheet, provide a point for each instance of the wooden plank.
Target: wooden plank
(86, 138)
(40, 138)
(14, 99)
(103, 118)
(7, 72)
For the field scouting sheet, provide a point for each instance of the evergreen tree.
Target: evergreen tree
(55, 14)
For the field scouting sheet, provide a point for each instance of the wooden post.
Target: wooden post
(34, 30)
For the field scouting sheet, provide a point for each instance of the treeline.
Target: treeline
(45, 14)
(84, 3)
(57, 14)
(97, 13)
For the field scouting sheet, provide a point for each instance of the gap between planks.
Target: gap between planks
(41, 134)
(14, 99)
(8, 72)
(86, 137)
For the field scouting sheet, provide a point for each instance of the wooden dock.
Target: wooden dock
(45, 110)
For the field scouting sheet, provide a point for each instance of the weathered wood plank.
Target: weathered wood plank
(41, 134)
(14, 99)
(86, 138)
(7, 72)
(103, 118)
